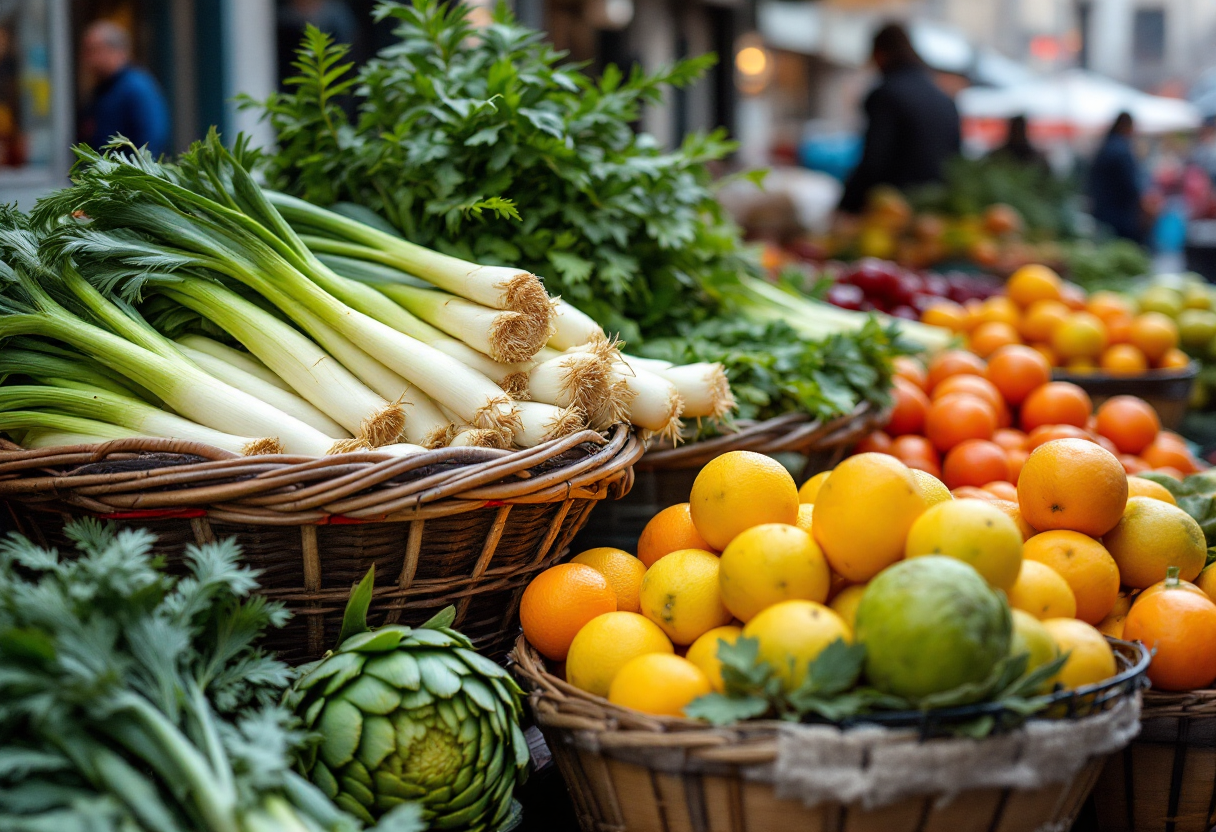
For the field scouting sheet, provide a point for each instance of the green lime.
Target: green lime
(1196, 327)
(1161, 299)
(1032, 638)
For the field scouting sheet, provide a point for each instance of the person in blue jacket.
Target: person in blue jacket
(1115, 183)
(126, 100)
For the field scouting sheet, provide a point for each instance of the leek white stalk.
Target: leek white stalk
(507, 337)
(236, 358)
(401, 449)
(543, 422)
(572, 327)
(703, 387)
(133, 414)
(470, 437)
(654, 365)
(282, 400)
(579, 379)
(52, 430)
(653, 402)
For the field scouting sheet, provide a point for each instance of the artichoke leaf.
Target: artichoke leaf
(386, 638)
(430, 638)
(324, 780)
(414, 699)
(358, 791)
(520, 745)
(340, 726)
(480, 664)
(467, 786)
(461, 639)
(310, 715)
(390, 784)
(480, 694)
(372, 696)
(447, 714)
(326, 668)
(460, 706)
(399, 669)
(357, 771)
(379, 740)
(461, 818)
(354, 807)
(443, 619)
(436, 677)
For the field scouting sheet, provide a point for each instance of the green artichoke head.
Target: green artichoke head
(412, 715)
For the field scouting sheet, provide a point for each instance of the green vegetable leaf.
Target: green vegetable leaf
(354, 618)
(718, 709)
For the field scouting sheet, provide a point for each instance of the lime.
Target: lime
(1197, 327)
(1161, 299)
(1031, 637)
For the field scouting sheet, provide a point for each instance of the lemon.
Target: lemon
(1141, 487)
(806, 512)
(931, 488)
(810, 488)
(680, 593)
(738, 490)
(792, 634)
(704, 653)
(846, 601)
(973, 531)
(1090, 659)
(1042, 592)
(771, 563)
(606, 643)
(863, 513)
(623, 571)
(659, 684)
(1032, 638)
(1152, 536)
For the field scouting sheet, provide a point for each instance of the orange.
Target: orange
(658, 684)
(1016, 372)
(946, 314)
(970, 492)
(999, 310)
(846, 601)
(1082, 366)
(1152, 536)
(953, 363)
(1207, 582)
(1112, 625)
(738, 490)
(1133, 464)
(958, 417)
(927, 464)
(1049, 433)
(606, 643)
(768, 564)
(1047, 352)
(669, 531)
(975, 462)
(1165, 453)
(911, 369)
(1119, 329)
(1009, 438)
(1154, 334)
(1056, 403)
(1084, 564)
(558, 602)
(1033, 283)
(909, 408)
(860, 489)
(878, 442)
(1082, 335)
(970, 385)
(810, 489)
(1042, 592)
(989, 337)
(1129, 422)
(1002, 490)
(1090, 658)
(1172, 581)
(1014, 513)
(1141, 487)
(680, 593)
(1123, 360)
(1181, 627)
(1017, 461)
(1107, 305)
(1073, 296)
(623, 571)
(1174, 359)
(704, 653)
(1042, 318)
(1072, 484)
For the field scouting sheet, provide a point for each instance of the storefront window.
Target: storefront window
(27, 135)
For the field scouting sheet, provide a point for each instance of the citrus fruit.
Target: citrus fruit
(1084, 564)
(806, 516)
(1003, 490)
(976, 386)
(1172, 582)
(907, 367)
(738, 490)
(623, 571)
(931, 624)
(970, 492)
(1141, 487)
(1042, 592)
(846, 601)
(1112, 625)
(1033, 639)
(1119, 331)
(606, 643)
(989, 337)
(1180, 626)
(1090, 658)
(1017, 371)
(792, 634)
(927, 464)
(946, 314)
(1174, 359)
(1014, 513)
(1163, 453)
(975, 462)
(878, 442)
(953, 363)
(861, 489)
(771, 563)
(1196, 328)
(1133, 465)
(1051, 493)
(1049, 433)
(1009, 438)
(558, 602)
(680, 593)
(975, 532)
(1042, 318)
(1123, 360)
(1154, 334)
(1073, 296)
(1153, 536)
(913, 447)
(1047, 352)
(704, 653)
(1056, 403)
(1129, 422)
(1082, 335)
(958, 417)
(909, 408)
(999, 309)
(1033, 283)
(659, 684)
(931, 488)
(810, 488)
(669, 531)
(1107, 305)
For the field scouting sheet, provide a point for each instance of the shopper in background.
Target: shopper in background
(1017, 147)
(1116, 187)
(913, 127)
(126, 100)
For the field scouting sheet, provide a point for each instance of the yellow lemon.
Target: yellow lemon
(704, 653)
(973, 531)
(659, 684)
(810, 488)
(846, 601)
(771, 563)
(931, 488)
(792, 634)
(623, 571)
(1112, 625)
(606, 643)
(738, 490)
(680, 593)
(1141, 487)
(1042, 592)
(863, 513)
(1152, 536)
(1032, 638)
(806, 511)
(1090, 658)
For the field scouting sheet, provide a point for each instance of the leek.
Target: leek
(544, 422)
(575, 379)
(652, 401)
(703, 387)
(49, 430)
(57, 371)
(572, 327)
(232, 356)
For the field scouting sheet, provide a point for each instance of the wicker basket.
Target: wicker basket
(1165, 780)
(1168, 391)
(629, 772)
(463, 526)
(665, 474)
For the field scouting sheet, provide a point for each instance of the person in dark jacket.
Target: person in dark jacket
(913, 126)
(1115, 186)
(1017, 147)
(126, 99)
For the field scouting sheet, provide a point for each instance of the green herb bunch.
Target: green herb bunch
(486, 144)
(132, 701)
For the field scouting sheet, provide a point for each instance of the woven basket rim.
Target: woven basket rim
(144, 477)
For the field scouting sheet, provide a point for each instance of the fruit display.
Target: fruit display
(871, 284)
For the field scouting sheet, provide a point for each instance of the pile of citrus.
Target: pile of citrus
(973, 422)
(1104, 331)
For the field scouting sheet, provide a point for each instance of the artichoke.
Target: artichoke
(413, 714)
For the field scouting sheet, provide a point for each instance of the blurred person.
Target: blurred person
(1017, 147)
(1116, 189)
(126, 100)
(913, 127)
